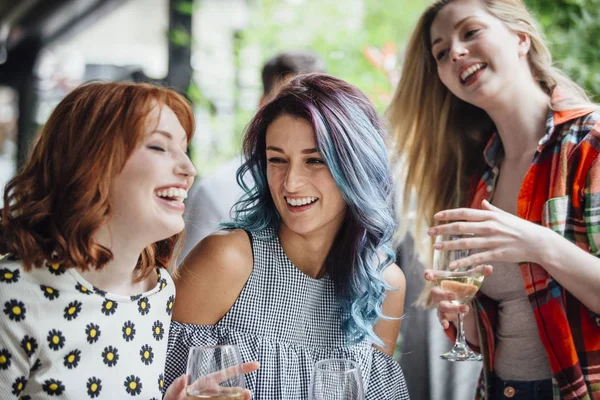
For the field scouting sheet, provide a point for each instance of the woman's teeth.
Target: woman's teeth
(172, 193)
(302, 201)
(470, 71)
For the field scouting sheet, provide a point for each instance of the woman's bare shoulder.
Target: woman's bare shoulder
(212, 276)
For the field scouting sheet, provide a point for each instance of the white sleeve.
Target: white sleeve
(18, 347)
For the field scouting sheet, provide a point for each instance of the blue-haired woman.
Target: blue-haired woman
(305, 271)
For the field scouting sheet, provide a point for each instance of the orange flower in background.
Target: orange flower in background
(384, 59)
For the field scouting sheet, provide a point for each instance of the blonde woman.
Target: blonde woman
(500, 144)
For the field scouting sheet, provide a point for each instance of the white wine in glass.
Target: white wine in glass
(464, 283)
(215, 372)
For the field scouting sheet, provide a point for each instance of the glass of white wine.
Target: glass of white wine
(215, 372)
(336, 379)
(464, 283)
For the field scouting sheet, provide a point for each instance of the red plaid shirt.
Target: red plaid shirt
(560, 191)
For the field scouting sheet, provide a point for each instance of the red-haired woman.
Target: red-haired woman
(89, 227)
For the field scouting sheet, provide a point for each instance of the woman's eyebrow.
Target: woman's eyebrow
(456, 26)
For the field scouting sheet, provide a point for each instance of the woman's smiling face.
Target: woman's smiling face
(301, 185)
(147, 196)
(477, 55)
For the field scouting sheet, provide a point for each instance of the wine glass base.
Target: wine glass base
(458, 354)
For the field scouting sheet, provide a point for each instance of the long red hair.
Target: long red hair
(60, 198)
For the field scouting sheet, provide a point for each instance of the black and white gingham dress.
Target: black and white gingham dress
(287, 321)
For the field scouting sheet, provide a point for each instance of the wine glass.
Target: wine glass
(215, 372)
(464, 283)
(336, 379)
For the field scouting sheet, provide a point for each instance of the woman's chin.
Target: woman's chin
(169, 229)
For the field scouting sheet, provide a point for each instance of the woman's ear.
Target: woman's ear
(524, 43)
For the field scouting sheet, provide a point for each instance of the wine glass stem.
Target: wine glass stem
(460, 340)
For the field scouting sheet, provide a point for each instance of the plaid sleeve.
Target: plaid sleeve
(591, 210)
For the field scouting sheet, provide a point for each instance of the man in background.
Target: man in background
(211, 198)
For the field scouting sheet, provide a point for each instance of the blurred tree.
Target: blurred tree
(362, 41)
(356, 38)
(572, 27)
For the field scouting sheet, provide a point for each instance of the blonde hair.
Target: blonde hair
(440, 138)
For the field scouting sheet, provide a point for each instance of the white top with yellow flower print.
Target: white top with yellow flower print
(62, 338)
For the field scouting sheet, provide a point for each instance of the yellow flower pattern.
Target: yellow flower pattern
(80, 341)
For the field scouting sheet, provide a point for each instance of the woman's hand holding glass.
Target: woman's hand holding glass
(500, 235)
(445, 301)
(456, 287)
(179, 387)
(213, 372)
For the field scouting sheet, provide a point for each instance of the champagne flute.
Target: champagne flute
(215, 372)
(464, 283)
(336, 379)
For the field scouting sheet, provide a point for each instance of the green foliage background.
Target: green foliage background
(572, 27)
(341, 31)
(330, 28)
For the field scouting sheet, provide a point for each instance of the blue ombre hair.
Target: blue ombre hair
(350, 137)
